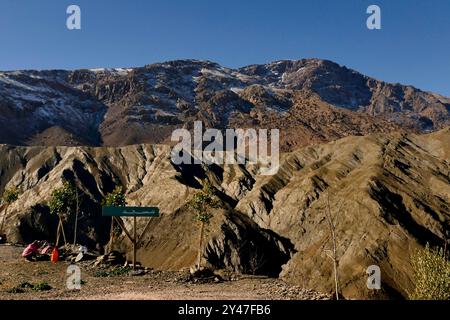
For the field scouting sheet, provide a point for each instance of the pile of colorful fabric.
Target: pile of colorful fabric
(38, 251)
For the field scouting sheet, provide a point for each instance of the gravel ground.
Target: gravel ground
(153, 285)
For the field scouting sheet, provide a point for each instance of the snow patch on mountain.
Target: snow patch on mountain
(236, 90)
(6, 80)
(113, 71)
(215, 73)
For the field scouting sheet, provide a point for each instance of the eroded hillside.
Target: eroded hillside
(389, 194)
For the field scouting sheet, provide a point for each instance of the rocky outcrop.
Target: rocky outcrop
(389, 195)
(236, 242)
(343, 87)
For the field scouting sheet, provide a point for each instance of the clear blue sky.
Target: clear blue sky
(412, 48)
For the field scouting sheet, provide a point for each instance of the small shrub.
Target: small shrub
(120, 271)
(101, 274)
(16, 290)
(26, 285)
(10, 195)
(431, 275)
(43, 286)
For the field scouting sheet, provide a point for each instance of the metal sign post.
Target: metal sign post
(115, 212)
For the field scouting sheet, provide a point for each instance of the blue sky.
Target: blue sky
(413, 46)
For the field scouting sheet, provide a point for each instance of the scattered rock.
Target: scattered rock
(134, 273)
(113, 258)
(203, 275)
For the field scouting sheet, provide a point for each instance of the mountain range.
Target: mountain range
(372, 154)
(310, 100)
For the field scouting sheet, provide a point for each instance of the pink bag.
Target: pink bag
(30, 250)
(46, 250)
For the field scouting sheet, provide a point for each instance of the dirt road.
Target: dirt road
(20, 279)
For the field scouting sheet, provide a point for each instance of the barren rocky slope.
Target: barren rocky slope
(117, 107)
(390, 194)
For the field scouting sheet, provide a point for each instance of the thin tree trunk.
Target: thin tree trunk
(200, 246)
(445, 248)
(76, 220)
(58, 232)
(336, 280)
(111, 236)
(333, 236)
(62, 230)
(4, 218)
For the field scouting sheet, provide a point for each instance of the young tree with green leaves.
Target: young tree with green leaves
(115, 198)
(62, 203)
(431, 276)
(9, 196)
(202, 202)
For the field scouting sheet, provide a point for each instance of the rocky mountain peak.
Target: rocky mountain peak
(120, 106)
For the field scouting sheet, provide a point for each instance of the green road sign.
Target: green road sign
(130, 211)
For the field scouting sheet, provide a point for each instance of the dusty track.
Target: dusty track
(152, 286)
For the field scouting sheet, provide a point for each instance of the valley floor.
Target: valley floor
(154, 285)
